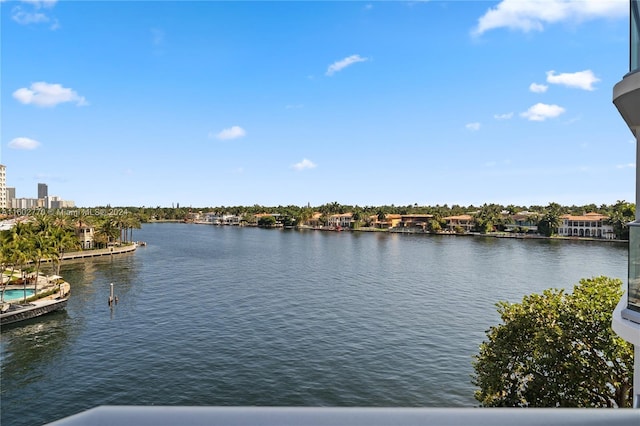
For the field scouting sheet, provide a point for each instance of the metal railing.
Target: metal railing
(325, 416)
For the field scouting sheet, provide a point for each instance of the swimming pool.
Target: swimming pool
(17, 294)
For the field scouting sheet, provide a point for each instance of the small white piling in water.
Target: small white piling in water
(111, 294)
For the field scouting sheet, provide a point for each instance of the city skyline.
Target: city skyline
(10, 200)
(277, 103)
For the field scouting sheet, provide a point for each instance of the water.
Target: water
(244, 316)
(12, 295)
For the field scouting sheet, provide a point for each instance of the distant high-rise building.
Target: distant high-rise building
(3, 187)
(43, 190)
(11, 194)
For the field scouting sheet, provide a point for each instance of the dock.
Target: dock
(99, 252)
(22, 312)
(14, 312)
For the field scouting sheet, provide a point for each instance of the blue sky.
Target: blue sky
(274, 103)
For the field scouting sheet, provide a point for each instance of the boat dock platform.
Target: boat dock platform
(21, 312)
(99, 252)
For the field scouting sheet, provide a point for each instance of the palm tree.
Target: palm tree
(7, 249)
(304, 215)
(21, 257)
(107, 231)
(550, 222)
(41, 224)
(18, 249)
(42, 248)
(487, 218)
(62, 240)
(620, 214)
(132, 222)
(82, 218)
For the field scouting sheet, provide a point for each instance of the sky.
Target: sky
(213, 103)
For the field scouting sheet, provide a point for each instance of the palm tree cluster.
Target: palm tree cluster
(39, 239)
(113, 229)
(44, 238)
(487, 217)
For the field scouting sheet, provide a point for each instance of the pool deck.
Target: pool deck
(14, 312)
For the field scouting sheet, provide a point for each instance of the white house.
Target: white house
(593, 225)
(341, 220)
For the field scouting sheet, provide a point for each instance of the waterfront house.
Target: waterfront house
(315, 220)
(390, 220)
(592, 225)
(524, 221)
(464, 221)
(212, 218)
(276, 216)
(231, 219)
(85, 234)
(415, 221)
(340, 220)
(193, 216)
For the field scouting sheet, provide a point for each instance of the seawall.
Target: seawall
(109, 251)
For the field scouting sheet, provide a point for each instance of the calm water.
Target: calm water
(244, 316)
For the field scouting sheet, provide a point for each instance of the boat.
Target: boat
(20, 312)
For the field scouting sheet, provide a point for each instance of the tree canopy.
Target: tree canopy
(557, 350)
(487, 218)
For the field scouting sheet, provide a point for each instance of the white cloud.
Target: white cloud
(26, 18)
(534, 15)
(48, 95)
(473, 126)
(24, 144)
(506, 116)
(233, 132)
(304, 164)
(573, 120)
(35, 15)
(580, 80)
(41, 3)
(538, 88)
(626, 166)
(343, 63)
(540, 112)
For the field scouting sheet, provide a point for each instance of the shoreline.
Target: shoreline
(468, 234)
(109, 251)
(16, 310)
(420, 232)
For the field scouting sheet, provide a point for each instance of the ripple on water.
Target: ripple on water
(243, 316)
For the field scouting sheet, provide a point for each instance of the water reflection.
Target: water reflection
(234, 316)
(29, 346)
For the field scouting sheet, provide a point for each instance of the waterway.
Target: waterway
(244, 316)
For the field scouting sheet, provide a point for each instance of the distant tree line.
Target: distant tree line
(487, 217)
